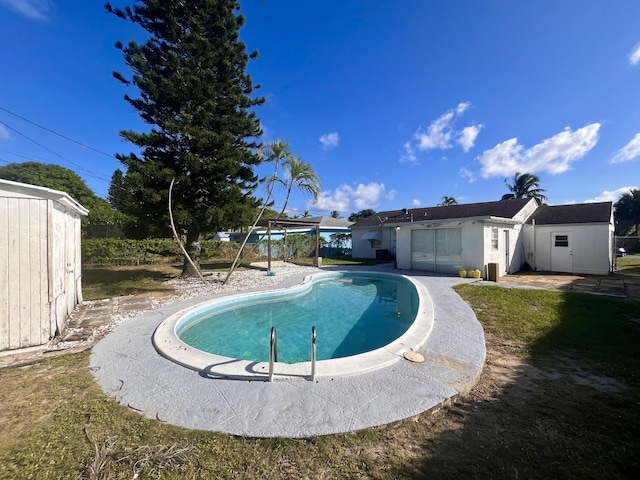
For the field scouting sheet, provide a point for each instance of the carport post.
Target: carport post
(269, 246)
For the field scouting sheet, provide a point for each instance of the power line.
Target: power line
(56, 133)
(88, 172)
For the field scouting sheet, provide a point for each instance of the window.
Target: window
(562, 241)
(375, 243)
(494, 238)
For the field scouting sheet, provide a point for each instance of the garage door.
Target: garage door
(437, 250)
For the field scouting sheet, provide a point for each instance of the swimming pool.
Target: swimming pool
(364, 321)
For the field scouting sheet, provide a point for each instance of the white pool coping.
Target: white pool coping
(169, 345)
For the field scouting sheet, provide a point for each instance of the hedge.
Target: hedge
(114, 251)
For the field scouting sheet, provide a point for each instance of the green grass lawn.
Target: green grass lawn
(106, 282)
(338, 261)
(603, 331)
(628, 264)
(526, 418)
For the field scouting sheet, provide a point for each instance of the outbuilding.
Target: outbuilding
(40, 263)
(576, 238)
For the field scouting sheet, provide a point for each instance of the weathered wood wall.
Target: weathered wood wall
(40, 263)
(24, 299)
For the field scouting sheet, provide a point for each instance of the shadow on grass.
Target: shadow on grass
(561, 410)
(100, 282)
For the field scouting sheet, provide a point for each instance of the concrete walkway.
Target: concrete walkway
(87, 321)
(127, 367)
(618, 285)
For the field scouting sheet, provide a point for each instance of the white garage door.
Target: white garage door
(437, 250)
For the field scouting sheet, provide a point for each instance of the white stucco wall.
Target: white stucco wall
(591, 246)
(363, 248)
(515, 259)
(477, 252)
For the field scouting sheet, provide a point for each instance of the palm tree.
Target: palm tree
(335, 214)
(525, 185)
(447, 201)
(627, 212)
(300, 175)
(296, 173)
(275, 152)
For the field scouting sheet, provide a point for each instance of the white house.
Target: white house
(40, 261)
(449, 238)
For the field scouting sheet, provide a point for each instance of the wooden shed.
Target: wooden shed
(40, 263)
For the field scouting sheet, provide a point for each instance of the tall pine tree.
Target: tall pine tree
(196, 95)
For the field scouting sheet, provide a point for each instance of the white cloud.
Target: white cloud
(415, 202)
(463, 107)
(437, 136)
(629, 152)
(441, 135)
(468, 135)
(346, 198)
(634, 55)
(4, 133)
(611, 196)
(329, 140)
(409, 154)
(468, 174)
(390, 195)
(33, 9)
(553, 155)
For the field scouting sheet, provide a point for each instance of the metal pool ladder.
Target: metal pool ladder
(273, 351)
(313, 353)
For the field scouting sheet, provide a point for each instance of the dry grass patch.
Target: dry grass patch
(107, 282)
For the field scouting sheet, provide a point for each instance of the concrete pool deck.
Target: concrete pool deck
(128, 368)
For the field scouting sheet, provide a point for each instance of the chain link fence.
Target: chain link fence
(631, 245)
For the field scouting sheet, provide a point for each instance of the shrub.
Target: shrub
(113, 251)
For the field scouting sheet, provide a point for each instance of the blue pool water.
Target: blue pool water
(353, 313)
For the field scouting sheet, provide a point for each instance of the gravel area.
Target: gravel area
(239, 280)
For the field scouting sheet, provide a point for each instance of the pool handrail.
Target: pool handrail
(313, 353)
(273, 351)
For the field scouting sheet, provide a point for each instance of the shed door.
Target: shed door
(561, 252)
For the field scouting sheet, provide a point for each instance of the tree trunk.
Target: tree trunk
(193, 248)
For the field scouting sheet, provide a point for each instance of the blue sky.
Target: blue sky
(394, 103)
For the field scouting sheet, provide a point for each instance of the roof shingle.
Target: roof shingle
(577, 213)
(500, 208)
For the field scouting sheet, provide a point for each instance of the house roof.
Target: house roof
(577, 213)
(500, 208)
